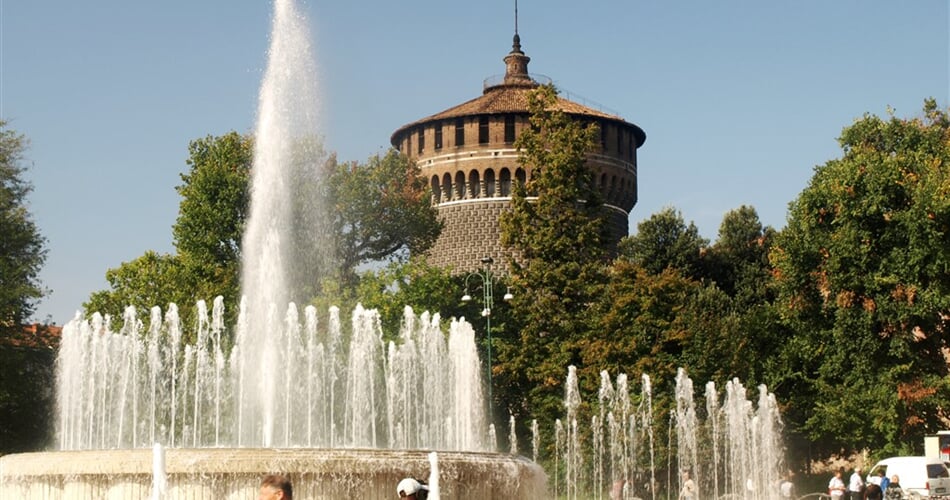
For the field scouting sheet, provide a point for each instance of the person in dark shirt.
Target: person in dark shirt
(894, 490)
(873, 492)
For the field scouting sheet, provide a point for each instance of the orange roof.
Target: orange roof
(34, 336)
(506, 99)
(510, 96)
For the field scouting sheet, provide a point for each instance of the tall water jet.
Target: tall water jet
(286, 154)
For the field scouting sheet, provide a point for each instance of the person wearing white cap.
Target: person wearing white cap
(412, 488)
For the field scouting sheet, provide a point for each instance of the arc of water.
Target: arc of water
(713, 414)
(154, 369)
(174, 332)
(687, 427)
(535, 439)
(217, 328)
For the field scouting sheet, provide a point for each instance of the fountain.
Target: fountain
(352, 415)
(735, 452)
(341, 412)
(143, 414)
(140, 386)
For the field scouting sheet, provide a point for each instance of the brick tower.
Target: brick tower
(467, 154)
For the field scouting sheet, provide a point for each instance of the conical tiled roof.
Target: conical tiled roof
(511, 96)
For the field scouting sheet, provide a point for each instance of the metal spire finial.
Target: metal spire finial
(516, 40)
(516, 17)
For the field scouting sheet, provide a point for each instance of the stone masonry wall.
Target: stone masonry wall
(472, 231)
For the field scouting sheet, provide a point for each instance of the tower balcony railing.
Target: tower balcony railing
(496, 80)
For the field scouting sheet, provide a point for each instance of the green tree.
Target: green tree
(738, 263)
(739, 259)
(715, 345)
(215, 199)
(862, 278)
(27, 401)
(381, 211)
(22, 248)
(26, 360)
(638, 323)
(666, 241)
(556, 227)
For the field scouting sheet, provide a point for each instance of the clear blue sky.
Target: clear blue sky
(740, 99)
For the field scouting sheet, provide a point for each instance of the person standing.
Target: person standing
(616, 491)
(876, 478)
(884, 482)
(275, 487)
(689, 487)
(856, 485)
(786, 487)
(836, 486)
(894, 490)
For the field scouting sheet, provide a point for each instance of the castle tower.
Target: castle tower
(467, 154)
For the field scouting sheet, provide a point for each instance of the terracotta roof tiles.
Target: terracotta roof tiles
(505, 99)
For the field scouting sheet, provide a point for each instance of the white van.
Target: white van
(919, 476)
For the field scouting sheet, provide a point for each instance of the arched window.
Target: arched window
(521, 176)
(474, 187)
(489, 183)
(613, 189)
(446, 187)
(505, 184)
(436, 190)
(459, 185)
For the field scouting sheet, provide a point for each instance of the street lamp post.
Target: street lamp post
(487, 278)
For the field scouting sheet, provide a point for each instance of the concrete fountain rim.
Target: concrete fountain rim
(243, 460)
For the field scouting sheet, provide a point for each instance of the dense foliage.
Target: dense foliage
(381, 211)
(25, 357)
(26, 395)
(22, 247)
(664, 240)
(862, 276)
(556, 227)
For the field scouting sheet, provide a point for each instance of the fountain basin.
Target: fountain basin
(235, 473)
